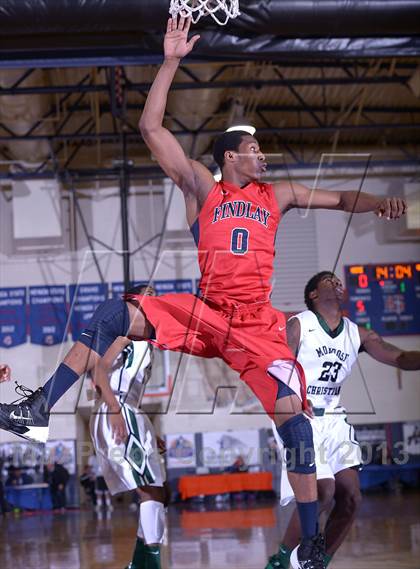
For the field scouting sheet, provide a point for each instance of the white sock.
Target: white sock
(152, 521)
(107, 496)
(140, 533)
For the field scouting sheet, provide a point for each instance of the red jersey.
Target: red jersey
(235, 233)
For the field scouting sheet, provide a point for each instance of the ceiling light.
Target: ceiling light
(237, 119)
(246, 127)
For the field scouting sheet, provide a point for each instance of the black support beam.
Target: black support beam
(182, 86)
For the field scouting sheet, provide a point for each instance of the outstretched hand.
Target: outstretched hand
(176, 44)
(391, 208)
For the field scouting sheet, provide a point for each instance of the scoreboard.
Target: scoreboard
(385, 297)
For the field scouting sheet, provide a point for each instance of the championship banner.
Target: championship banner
(12, 316)
(48, 314)
(117, 290)
(84, 300)
(171, 286)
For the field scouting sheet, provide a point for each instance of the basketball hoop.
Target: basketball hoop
(220, 10)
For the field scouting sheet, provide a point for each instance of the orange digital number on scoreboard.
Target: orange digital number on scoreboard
(381, 273)
(403, 271)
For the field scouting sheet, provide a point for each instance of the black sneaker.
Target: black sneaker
(309, 554)
(26, 417)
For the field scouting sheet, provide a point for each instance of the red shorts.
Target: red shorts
(248, 338)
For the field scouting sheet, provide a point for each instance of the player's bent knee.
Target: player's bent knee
(152, 521)
(296, 434)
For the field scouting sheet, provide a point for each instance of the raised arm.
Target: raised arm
(189, 175)
(291, 195)
(387, 353)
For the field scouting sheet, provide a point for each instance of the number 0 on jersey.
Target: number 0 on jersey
(239, 241)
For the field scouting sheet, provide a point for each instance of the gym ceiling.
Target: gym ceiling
(332, 76)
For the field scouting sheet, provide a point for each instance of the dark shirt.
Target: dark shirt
(58, 476)
(20, 480)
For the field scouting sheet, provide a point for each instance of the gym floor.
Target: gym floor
(385, 535)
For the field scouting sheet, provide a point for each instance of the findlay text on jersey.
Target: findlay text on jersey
(241, 209)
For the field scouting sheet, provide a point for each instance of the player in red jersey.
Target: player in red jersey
(234, 223)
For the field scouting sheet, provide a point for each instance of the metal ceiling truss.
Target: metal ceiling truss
(112, 137)
(118, 85)
(225, 84)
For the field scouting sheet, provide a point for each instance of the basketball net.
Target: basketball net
(220, 10)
